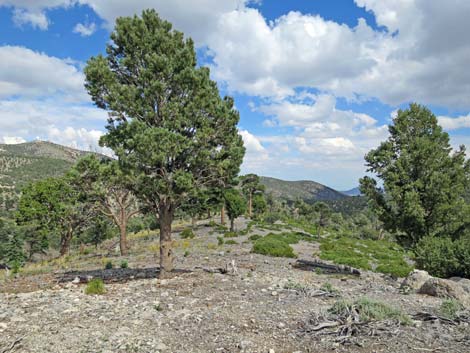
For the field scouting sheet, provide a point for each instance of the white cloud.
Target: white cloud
(52, 120)
(12, 140)
(33, 12)
(28, 73)
(271, 59)
(79, 138)
(252, 144)
(85, 30)
(37, 19)
(449, 123)
(422, 57)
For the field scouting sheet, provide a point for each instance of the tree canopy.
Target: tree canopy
(424, 180)
(167, 121)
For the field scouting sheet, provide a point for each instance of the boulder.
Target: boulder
(464, 283)
(415, 280)
(443, 288)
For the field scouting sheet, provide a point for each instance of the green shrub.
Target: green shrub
(273, 247)
(255, 237)
(220, 240)
(328, 287)
(108, 265)
(124, 264)
(186, 253)
(230, 242)
(369, 310)
(398, 268)
(95, 286)
(387, 257)
(449, 308)
(462, 255)
(437, 256)
(230, 235)
(187, 234)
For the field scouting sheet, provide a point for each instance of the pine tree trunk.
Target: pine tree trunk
(193, 222)
(208, 213)
(123, 238)
(166, 253)
(250, 204)
(232, 225)
(222, 215)
(65, 243)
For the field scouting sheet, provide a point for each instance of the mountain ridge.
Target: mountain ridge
(308, 190)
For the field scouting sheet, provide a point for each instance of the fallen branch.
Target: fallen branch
(306, 265)
(13, 345)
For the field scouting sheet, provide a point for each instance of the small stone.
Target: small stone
(164, 294)
(281, 325)
(273, 293)
(244, 345)
(161, 347)
(271, 351)
(3, 326)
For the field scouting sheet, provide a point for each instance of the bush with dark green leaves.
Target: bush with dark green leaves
(442, 257)
(108, 265)
(462, 254)
(436, 255)
(187, 234)
(271, 246)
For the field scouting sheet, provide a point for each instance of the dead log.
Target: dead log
(306, 265)
(115, 275)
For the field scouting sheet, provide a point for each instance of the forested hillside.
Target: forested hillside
(306, 190)
(23, 163)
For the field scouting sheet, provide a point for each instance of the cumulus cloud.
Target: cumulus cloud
(37, 19)
(28, 73)
(422, 55)
(33, 12)
(85, 30)
(450, 124)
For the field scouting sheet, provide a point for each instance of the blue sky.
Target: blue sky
(315, 81)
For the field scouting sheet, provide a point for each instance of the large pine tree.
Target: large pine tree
(167, 121)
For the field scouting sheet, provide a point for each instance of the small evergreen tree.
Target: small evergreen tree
(236, 205)
(424, 183)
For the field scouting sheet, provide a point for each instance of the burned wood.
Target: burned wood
(115, 275)
(306, 265)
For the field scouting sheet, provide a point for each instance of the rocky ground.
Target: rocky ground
(263, 306)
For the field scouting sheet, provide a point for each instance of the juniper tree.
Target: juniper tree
(54, 206)
(424, 181)
(167, 122)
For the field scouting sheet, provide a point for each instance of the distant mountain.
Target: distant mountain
(23, 163)
(309, 191)
(352, 192)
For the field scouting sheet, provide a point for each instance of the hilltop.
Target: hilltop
(23, 163)
(307, 190)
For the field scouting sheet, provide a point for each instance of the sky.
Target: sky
(316, 81)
